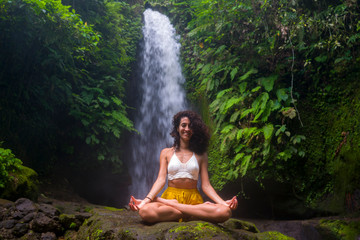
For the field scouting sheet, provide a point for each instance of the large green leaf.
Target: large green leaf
(268, 82)
(268, 131)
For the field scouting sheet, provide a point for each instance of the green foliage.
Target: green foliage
(62, 78)
(339, 229)
(332, 146)
(23, 183)
(16, 180)
(257, 63)
(8, 164)
(250, 114)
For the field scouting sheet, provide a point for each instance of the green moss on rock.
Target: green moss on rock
(107, 224)
(233, 223)
(273, 236)
(197, 230)
(339, 229)
(24, 184)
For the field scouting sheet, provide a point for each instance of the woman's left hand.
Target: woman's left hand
(136, 204)
(232, 203)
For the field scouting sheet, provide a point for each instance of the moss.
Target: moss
(178, 229)
(68, 221)
(339, 229)
(273, 236)
(233, 223)
(73, 225)
(24, 183)
(114, 209)
(332, 129)
(97, 234)
(88, 208)
(196, 230)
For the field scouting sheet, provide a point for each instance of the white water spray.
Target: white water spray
(162, 97)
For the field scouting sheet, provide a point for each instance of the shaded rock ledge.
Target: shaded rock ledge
(50, 219)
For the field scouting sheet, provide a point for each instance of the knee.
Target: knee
(147, 214)
(224, 213)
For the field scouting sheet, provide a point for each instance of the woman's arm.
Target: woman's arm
(161, 179)
(209, 190)
(205, 182)
(136, 204)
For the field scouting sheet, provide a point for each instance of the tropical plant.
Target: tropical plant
(262, 65)
(8, 164)
(62, 79)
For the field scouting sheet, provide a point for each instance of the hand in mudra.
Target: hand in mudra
(232, 203)
(136, 204)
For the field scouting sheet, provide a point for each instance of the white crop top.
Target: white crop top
(177, 169)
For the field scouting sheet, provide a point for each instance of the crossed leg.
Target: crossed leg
(159, 212)
(172, 210)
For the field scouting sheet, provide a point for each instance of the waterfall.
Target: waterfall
(162, 96)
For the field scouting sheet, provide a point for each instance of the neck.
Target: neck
(184, 145)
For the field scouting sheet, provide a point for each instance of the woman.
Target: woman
(182, 164)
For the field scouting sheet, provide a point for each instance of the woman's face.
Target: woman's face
(184, 129)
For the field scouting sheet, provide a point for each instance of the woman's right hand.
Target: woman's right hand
(136, 204)
(232, 203)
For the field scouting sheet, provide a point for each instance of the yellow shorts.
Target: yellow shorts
(184, 196)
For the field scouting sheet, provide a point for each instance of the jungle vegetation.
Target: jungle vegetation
(277, 82)
(62, 80)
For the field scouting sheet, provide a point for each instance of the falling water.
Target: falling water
(162, 96)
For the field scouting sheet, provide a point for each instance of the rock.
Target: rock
(70, 221)
(8, 224)
(239, 224)
(5, 203)
(42, 223)
(125, 224)
(18, 215)
(78, 221)
(82, 216)
(309, 231)
(273, 236)
(48, 236)
(28, 217)
(338, 229)
(5, 234)
(25, 205)
(28, 220)
(23, 184)
(48, 210)
(31, 235)
(197, 230)
(20, 229)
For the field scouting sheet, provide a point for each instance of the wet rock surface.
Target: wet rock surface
(50, 219)
(24, 219)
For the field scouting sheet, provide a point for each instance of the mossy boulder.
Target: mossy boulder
(338, 229)
(273, 236)
(23, 184)
(124, 224)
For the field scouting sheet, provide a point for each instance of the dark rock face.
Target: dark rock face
(28, 220)
(43, 223)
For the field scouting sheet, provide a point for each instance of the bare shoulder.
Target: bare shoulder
(166, 152)
(202, 157)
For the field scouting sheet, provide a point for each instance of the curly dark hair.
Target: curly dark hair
(199, 141)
